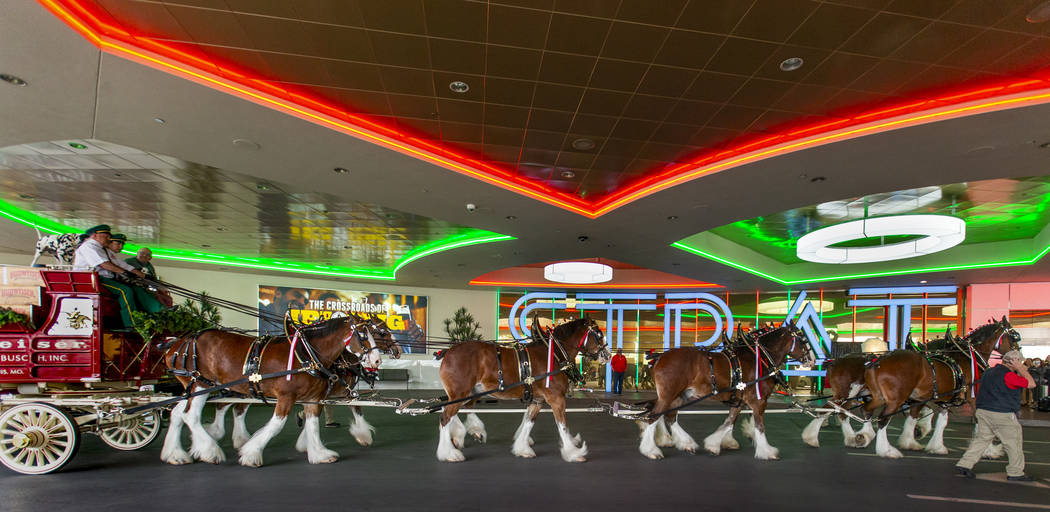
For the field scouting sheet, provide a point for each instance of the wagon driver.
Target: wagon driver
(93, 255)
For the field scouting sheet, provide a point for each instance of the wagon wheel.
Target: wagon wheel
(132, 433)
(37, 438)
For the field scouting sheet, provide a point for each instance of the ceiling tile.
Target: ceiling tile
(935, 41)
(504, 136)
(774, 20)
(603, 102)
(695, 113)
(717, 87)
(617, 75)
(664, 12)
(717, 16)
(758, 92)
(557, 97)
(509, 62)
(566, 69)
(576, 34)
(552, 120)
(811, 58)
(593, 125)
(455, 19)
(840, 69)
(674, 133)
(508, 92)
(733, 117)
(829, 26)
(461, 132)
(883, 77)
(884, 34)
(460, 111)
(511, 117)
(404, 16)
(629, 41)
(517, 27)
(457, 56)
(595, 8)
(634, 129)
(667, 81)
(352, 75)
(400, 50)
(688, 49)
(648, 107)
(980, 12)
(985, 50)
(740, 56)
(408, 81)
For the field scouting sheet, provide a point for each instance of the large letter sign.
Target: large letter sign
(898, 311)
(810, 323)
(696, 306)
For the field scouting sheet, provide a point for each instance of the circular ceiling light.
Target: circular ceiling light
(791, 64)
(13, 80)
(459, 87)
(577, 272)
(936, 232)
(1039, 14)
(583, 144)
(782, 306)
(77, 145)
(568, 175)
(341, 170)
(246, 144)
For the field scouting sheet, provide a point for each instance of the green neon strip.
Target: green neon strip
(473, 237)
(1012, 263)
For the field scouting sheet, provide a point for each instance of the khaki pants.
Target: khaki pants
(990, 425)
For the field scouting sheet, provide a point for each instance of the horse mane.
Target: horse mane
(326, 327)
(569, 327)
(981, 331)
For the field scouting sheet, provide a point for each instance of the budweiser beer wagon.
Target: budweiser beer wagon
(62, 374)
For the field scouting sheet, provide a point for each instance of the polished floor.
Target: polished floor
(400, 472)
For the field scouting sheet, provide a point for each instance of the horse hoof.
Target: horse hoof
(580, 459)
(526, 454)
(250, 461)
(178, 459)
(655, 456)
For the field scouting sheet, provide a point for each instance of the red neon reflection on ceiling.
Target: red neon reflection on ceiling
(627, 286)
(181, 60)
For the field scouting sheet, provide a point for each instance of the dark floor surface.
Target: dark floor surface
(400, 472)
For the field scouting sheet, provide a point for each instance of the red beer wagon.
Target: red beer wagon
(69, 374)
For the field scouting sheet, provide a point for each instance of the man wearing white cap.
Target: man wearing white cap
(998, 400)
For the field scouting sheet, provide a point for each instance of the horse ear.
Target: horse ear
(1004, 319)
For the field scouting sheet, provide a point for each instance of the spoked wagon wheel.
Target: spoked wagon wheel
(37, 438)
(132, 433)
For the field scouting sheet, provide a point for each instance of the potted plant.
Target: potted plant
(462, 327)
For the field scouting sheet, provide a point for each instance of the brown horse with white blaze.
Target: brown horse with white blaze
(905, 377)
(683, 373)
(372, 330)
(473, 366)
(216, 356)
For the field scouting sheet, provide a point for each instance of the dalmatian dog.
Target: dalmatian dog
(62, 247)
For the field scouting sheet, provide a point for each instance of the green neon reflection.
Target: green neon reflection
(472, 237)
(789, 282)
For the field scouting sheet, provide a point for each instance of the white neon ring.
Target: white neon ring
(939, 232)
(577, 272)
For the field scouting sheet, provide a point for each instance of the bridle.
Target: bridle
(592, 328)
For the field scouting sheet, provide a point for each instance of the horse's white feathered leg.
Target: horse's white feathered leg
(883, 447)
(360, 429)
(811, 434)
(217, 428)
(648, 446)
(172, 452)
(446, 451)
(663, 437)
(522, 446)
(203, 447)
(936, 444)
(476, 428)
(251, 452)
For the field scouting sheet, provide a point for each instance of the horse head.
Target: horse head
(591, 339)
(382, 335)
(789, 341)
(989, 338)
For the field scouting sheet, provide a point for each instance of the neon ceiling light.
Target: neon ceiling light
(578, 272)
(633, 286)
(472, 237)
(788, 282)
(938, 233)
(92, 22)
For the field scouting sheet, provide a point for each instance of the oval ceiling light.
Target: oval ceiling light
(459, 87)
(782, 306)
(937, 233)
(1039, 14)
(13, 80)
(791, 64)
(578, 272)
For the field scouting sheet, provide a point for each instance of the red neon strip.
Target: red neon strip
(95, 24)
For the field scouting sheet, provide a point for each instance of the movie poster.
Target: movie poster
(405, 314)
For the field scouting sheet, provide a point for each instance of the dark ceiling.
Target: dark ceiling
(637, 84)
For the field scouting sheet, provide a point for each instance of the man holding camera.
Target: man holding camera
(998, 400)
(93, 255)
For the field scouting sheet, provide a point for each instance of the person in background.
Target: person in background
(1039, 374)
(1026, 395)
(142, 260)
(998, 401)
(619, 366)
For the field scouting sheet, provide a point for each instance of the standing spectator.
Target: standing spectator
(1039, 374)
(1026, 395)
(998, 400)
(619, 365)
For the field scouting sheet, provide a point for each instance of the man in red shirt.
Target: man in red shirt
(619, 365)
(998, 400)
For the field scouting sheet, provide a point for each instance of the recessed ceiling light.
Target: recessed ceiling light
(922, 282)
(511, 217)
(205, 245)
(346, 247)
(1039, 14)
(791, 64)
(77, 145)
(13, 80)
(459, 87)
(568, 175)
(159, 120)
(817, 179)
(220, 228)
(672, 217)
(341, 170)
(583, 144)
(26, 196)
(262, 186)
